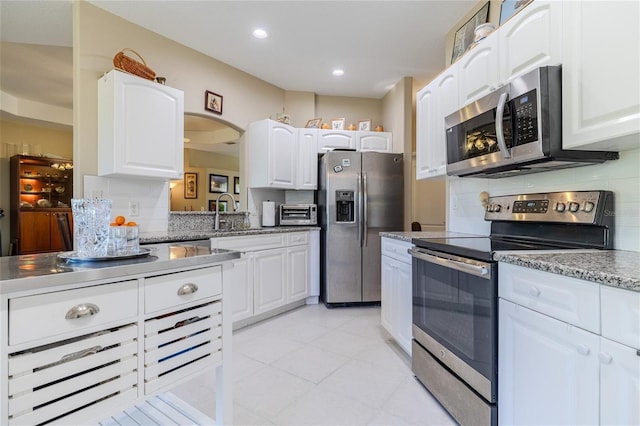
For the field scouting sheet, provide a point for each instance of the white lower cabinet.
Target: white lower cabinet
(556, 364)
(273, 273)
(395, 278)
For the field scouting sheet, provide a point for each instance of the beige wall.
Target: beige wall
(352, 109)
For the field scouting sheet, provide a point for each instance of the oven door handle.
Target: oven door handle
(477, 270)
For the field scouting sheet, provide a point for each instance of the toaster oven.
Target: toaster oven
(298, 214)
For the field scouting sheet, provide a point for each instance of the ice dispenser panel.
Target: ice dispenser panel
(345, 206)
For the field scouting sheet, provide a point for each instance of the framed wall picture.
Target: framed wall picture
(190, 185)
(337, 124)
(465, 35)
(223, 206)
(510, 8)
(218, 183)
(236, 185)
(314, 123)
(364, 126)
(213, 102)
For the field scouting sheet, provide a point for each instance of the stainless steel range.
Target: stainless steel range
(455, 291)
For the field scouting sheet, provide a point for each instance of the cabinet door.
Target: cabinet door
(387, 296)
(298, 273)
(600, 68)
(283, 154)
(374, 141)
(335, 139)
(56, 239)
(307, 173)
(531, 39)
(478, 71)
(140, 127)
(35, 232)
(269, 280)
(241, 278)
(403, 318)
(549, 370)
(619, 384)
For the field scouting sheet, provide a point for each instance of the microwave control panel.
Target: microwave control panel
(524, 110)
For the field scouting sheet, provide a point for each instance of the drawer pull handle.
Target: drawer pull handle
(605, 358)
(82, 310)
(80, 354)
(583, 350)
(188, 288)
(533, 291)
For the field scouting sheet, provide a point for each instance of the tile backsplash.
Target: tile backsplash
(152, 197)
(466, 214)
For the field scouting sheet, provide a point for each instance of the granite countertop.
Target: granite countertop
(41, 271)
(408, 236)
(190, 235)
(616, 268)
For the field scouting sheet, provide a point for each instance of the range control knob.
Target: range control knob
(497, 208)
(589, 206)
(574, 207)
(561, 207)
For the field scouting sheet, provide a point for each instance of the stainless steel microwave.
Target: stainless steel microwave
(516, 129)
(298, 214)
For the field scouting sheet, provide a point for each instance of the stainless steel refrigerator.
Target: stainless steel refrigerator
(359, 195)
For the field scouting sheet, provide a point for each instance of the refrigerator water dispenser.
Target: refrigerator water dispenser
(344, 206)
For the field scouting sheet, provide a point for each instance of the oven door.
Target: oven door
(455, 316)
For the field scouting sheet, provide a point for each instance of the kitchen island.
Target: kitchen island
(84, 340)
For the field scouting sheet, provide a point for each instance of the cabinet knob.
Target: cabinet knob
(534, 291)
(82, 310)
(188, 288)
(605, 358)
(583, 350)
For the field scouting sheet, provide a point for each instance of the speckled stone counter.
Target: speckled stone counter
(408, 236)
(205, 234)
(614, 268)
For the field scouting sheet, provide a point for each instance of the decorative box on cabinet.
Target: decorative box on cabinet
(600, 85)
(41, 189)
(140, 127)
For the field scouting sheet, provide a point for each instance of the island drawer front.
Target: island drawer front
(250, 242)
(567, 299)
(57, 379)
(297, 238)
(180, 344)
(396, 249)
(181, 288)
(44, 315)
(621, 315)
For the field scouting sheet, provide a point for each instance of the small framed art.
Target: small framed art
(337, 124)
(364, 126)
(218, 183)
(236, 185)
(212, 102)
(190, 185)
(314, 123)
(223, 206)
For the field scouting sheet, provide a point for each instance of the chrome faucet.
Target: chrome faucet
(233, 206)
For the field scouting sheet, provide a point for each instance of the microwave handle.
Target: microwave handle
(499, 130)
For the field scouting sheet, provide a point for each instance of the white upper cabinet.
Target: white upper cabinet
(600, 75)
(335, 139)
(433, 103)
(478, 70)
(531, 39)
(374, 141)
(140, 127)
(307, 171)
(272, 154)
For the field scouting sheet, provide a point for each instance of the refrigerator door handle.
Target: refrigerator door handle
(365, 216)
(360, 213)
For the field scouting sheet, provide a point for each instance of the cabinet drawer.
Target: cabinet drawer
(297, 238)
(177, 289)
(621, 315)
(567, 299)
(396, 249)
(44, 315)
(250, 243)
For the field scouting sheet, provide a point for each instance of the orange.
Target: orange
(132, 224)
(120, 220)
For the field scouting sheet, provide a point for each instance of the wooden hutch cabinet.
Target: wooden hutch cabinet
(41, 189)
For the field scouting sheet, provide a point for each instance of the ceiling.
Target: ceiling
(376, 43)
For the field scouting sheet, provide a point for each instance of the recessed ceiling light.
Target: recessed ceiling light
(338, 72)
(260, 33)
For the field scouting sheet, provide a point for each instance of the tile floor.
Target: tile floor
(319, 366)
